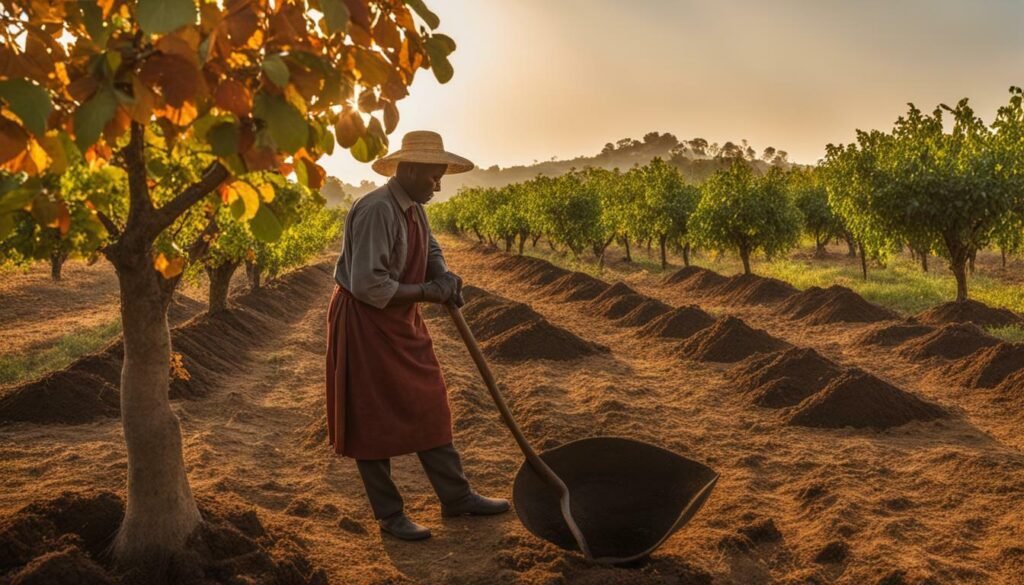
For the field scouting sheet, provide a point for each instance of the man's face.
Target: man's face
(421, 181)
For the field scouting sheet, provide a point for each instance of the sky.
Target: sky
(536, 79)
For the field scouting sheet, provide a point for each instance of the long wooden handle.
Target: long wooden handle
(532, 457)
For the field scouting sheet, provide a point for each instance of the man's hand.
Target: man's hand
(459, 301)
(442, 289)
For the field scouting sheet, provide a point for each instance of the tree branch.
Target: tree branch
(109, 224)
(140, 206)
(212, 177)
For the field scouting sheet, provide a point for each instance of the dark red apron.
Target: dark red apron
(386, 395)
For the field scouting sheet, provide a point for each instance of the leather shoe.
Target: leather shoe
(475, 505)
(401, 527)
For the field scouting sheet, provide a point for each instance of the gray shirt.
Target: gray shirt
(375, 244)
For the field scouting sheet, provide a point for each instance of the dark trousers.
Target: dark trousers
(444, 470)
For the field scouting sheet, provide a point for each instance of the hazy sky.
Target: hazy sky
(536, 79)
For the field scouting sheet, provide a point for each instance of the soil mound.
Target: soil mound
(644, 313)
(539, 340)
(532, 270)
(889, 335)
(835, 304)
(950, 341)
(206, 350)
(618, 307)
(751, 289)
(729, 340)
(970, 312)
(576, 286)
(65, 540)
(989, 366)
(786, 378)
(514, 332)
(678, 323)
(857, 399)
(616, 290)
(694, 279)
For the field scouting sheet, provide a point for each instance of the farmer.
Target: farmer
(386, 395)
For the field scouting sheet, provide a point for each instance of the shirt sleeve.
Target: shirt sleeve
(436, 266)
(372, 238)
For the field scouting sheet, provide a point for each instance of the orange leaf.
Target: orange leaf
(169, 268)
(241, 21)
(13, 139)
(63, 219)
(175, 77)
(233, 96)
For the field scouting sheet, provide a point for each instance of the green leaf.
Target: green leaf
(438, 48)
(276, 69)
(286, 125)
(163, 16)
(30, 102)
(6, 225)
(223, 139)
(265, 226)
(92, 116)
(335, 15)
(421, 9)
(92, 16)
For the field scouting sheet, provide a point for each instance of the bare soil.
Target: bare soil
(928, 501)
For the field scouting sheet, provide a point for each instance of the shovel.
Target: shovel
(614, 499)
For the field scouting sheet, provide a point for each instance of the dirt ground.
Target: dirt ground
(926, 502)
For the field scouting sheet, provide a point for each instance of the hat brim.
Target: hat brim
(388, 165)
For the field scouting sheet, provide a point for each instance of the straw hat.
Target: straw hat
(422, 146)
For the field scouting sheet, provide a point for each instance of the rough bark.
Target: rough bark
(686, 254)
(57, 260)
(745, 256)
(629, 255)
(161, 512)
(924, 261)
(663, 245)
(522, 242)
(851, 245)
(220, 283)
(863, 260)
(508, 243)
(960, 273)
(254, 273)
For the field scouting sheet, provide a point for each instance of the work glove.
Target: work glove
(442, 289)
(459, 301)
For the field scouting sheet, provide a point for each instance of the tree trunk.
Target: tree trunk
(536, 238)
(924, 260)
(220, 283)
(57, 260)
(863, 260)
(508, 244)
(1002, 253)
(629, 255)
(820, 245)
(663, 244)
(479, 236)
(522, 242)
(970, 261)
(851, 246)
(745, 256)
(552, 245)
(161, 512)
(686, 254)
(253, 273)
(960, 273)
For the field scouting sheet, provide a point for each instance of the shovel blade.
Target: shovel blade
(626, 496)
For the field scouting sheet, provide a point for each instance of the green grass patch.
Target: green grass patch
(21, 367)
(1011, 333)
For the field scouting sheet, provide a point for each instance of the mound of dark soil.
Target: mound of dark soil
(209, 348)
(751, 289)
(620, 306)
(539, 340)
(644, 313)
(835, 304)
(970, 312)
(729, 340)
(678, 323)
(576, 286)
(785, 378)
(696, 279)
(513, 331)
(616, 290)
(65, 540)
(989, 366)
(532, 270)
(857, 399)
(950, 341)
(889, 335)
